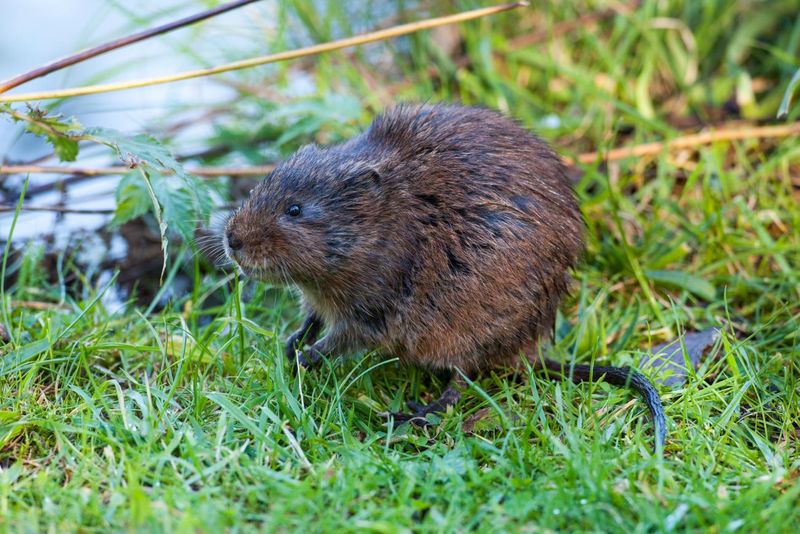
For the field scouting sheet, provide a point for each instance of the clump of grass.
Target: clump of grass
(189, 419)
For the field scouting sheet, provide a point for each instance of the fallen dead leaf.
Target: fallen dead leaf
(667, 361)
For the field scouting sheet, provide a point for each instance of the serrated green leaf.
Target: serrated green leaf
(63, 135)
(137, 150)
(133, 200)
(66, 149)
(177, 198)
(177, 204)
(682, 280)
(171, 184)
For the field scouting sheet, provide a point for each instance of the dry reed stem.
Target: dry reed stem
(370, 37)
(736, 133)
(83, 55)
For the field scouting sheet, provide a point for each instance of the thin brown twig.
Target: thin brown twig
(371, 37)
(70, 180)
(89, 53)
(206, 172)
(5, 208)
(35, 305)
(58, 209)
(689, 141)
(730, 133)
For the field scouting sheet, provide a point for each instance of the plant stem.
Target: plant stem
(370, 37)
(207, 172)
(735, 132)
(83, 55)
(7, 253)
(731, 133)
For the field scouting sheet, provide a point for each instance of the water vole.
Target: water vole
(443, 235)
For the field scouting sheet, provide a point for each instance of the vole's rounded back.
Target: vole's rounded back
(443, 235)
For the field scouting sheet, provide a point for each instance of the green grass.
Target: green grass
(189, 419)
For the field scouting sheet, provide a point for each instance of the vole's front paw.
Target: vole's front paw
(292, 344)
(309, 357)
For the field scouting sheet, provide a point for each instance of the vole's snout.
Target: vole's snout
(234, 243)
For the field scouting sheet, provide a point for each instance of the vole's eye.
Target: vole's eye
(293, 210)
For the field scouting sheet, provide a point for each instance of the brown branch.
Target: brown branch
(5, 208)
(206, 172)
(118, 43)
(689, 141)
(37, 118)
(731, 133)
(35, 305)
(312, 50)
(56, 209)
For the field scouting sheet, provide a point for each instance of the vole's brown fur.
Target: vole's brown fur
(443, 235)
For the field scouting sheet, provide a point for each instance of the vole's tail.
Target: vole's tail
(619, 376)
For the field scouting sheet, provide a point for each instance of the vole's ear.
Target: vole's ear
(368, 174)
(373, 175)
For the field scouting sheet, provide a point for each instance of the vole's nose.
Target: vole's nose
(234, 242)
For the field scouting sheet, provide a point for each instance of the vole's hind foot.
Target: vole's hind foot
(450, 397)
(418, 419)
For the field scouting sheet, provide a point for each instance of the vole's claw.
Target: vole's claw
(290, 350)
(306, 333)
(419, 417)
(309, 357)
